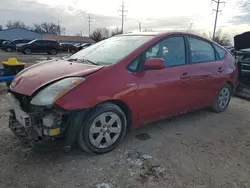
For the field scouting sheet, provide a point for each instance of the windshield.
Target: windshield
(32, 41)
(111, 50)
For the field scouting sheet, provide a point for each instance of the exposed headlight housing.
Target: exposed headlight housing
(55, 91)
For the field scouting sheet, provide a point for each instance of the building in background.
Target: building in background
(68, 39)
(19, 33)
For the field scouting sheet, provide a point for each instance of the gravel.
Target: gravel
(197, 150)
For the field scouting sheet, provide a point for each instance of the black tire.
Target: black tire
(216, 107)
(8, 83)
(84, 139)
(27, 51)
(8, 49)
(53, 52)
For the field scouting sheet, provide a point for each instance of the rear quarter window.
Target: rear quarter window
(221, 52)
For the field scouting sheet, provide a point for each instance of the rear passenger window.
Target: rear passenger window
(201, 51)
(220, 52)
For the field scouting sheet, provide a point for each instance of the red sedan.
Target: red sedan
(98, 94)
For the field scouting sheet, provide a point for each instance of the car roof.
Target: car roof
(156, 33)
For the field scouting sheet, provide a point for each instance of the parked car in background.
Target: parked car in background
(82, 46)
(100, 92)
(69, 48)
(1, 42)
(11, 46)
(39, 46)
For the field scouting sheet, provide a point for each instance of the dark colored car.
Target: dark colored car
(11, 46)
(69, 48)
(82, 46)
(101, 92)
(1, 42)
(39, 46)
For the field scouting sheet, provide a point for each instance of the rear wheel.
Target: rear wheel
(103, 129)
(53, 52)
(223, 99)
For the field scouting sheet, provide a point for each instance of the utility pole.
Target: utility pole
(122, 15)
(89, 21)
(218, 2)
(139, 26)
(58, 28)
(190, 27)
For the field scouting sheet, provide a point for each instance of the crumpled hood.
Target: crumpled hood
(38, 75)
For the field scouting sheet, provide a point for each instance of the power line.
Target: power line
(122, 15)
(89, 21)
(218, 2)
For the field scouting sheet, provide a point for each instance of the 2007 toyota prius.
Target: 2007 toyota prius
(96, 95)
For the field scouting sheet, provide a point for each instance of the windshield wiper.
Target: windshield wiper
(83, 60)
(93, 63)
(71, 60)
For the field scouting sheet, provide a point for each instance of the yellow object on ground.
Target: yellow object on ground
(12, 62)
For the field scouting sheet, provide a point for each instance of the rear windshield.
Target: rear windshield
(111, 50)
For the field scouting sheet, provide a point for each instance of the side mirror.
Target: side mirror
(154, 63)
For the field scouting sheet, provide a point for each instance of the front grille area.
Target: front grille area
(23, 100)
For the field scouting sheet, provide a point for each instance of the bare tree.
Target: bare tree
(147, 30)
(220, 37)
(49, 27)
(99, 34)
(117, 31)
(16, 24)
(78, 35)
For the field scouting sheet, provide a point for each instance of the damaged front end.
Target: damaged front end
(36, 125)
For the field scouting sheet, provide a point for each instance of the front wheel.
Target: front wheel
(27, 51)
(222, 100)
(103, 129)
(8, 49)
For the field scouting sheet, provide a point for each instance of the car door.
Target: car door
(207, 71)
(36, 46)
(165, 92)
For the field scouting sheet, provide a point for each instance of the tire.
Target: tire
(27, 51)
(8, 84)
(223, 99)
(8, 49)
(99, 123)
(53, 52)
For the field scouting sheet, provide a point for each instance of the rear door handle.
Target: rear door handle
(184, 76)
(220, 70)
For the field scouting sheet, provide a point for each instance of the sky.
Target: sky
(158, 15)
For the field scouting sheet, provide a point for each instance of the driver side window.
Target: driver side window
(171, 50)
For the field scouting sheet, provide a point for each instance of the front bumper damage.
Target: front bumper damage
(44, 127)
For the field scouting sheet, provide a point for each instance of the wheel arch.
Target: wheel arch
(230, 83)
(124, 107)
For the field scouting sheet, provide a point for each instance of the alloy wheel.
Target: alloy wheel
(224, 98)
(8, 49)
(27, 51)
(105, 130)
(53, 52)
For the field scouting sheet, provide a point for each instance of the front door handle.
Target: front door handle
(220, 70)
(184, 76)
